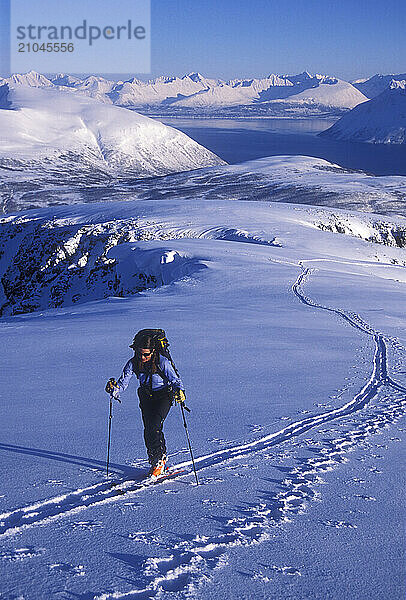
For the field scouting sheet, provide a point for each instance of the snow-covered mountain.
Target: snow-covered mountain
(330, 92)
(30, 79)
(381, 120)
(274, 93)
(46, 130)
(377, 84)
(162, 90)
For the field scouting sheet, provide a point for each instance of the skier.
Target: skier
(160, 385)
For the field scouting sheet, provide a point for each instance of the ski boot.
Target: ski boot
(158, 468)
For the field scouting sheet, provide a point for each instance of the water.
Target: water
(239, 140)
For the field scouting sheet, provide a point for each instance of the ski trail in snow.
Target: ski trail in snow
(190, 563)
(103, 493)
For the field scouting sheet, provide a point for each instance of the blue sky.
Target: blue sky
(230, 38)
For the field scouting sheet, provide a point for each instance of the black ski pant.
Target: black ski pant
(154, 407)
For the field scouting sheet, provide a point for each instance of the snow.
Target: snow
(291, 341)
(47, 129)
(381, 120)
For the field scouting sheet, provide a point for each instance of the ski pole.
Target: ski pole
(108, 445)
(188, 440)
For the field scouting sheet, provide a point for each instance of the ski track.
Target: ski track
(106, 492)
(191, 562)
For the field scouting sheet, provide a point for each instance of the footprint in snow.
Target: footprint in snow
(255, 427)
(239, 467)
(339, 524)
(211, 480)
(126, 507)
(67, 569)
(85, 525)
(146, 537)
(259, 576)
(366, 498)
(209, 502)
(287, 570)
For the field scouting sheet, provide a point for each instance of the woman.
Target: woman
(159, 386)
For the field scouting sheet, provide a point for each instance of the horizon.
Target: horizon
(146, 78)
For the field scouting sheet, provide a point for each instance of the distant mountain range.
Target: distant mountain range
(285, 95)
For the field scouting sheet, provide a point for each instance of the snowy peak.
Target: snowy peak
(65, 80)
(194, 77)
(32, 79)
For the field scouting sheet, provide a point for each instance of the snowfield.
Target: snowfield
(287, 324)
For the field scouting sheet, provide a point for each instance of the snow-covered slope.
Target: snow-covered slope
(61, 257)
(300, 179)
(48, 130)
(381, 120)
(334, 93)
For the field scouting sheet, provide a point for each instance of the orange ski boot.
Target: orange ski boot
(159, 468)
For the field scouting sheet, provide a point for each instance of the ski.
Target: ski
(148, 480)
(166, 475)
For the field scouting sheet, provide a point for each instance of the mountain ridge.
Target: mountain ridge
(193, 90)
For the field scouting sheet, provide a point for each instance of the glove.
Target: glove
(179, 396)
(111, 388)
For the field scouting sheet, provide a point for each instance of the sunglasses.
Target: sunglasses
(144, 353)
